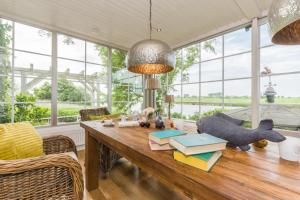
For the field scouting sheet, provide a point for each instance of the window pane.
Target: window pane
(96, 73)
(96, 54)
(71, 99)
(119, 74)
(69, 47)
(280, 59)
(286, 88)
(238, 66)
(120, 98)
(190, 101)
(32, 39)
(284, 106)
(175, 75)
(135, 94)
(118, 59)
(5, 112)
(32, 99)
(190, 54)
(33, 62)
(176, 106)
(237, 92)
(209, 110)
(5, 88)
(191, 74)
(264, 36)
(211, 93)
(5, 62)
(190, 93)
(70, 69)
(5, 81)
(211, 49)
(6, 33)
(211, 70)
(96, 95)
(237, 41)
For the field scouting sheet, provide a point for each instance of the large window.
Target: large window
(213, 75)
(82, 77)
(280, 88)
(127, 87)
(26, 75)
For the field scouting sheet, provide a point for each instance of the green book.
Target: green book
(162, 137)
(203, 161)
(198, 143)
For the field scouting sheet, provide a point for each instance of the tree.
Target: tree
(43, 92)
(120, 99)
(66, 90)
(182, 66)
(5, 39)
(26, 110)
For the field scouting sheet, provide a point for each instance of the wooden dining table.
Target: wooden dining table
(257, 174)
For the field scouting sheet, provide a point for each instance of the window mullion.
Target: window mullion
(54, 80)
(255, 89)
(13, 75)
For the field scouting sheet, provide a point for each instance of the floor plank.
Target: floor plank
(127, 182)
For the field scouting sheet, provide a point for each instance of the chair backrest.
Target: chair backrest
(85, 113)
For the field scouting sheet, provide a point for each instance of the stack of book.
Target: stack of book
(198, 150)
(159, 140)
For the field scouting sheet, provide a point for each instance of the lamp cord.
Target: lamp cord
(150, 19)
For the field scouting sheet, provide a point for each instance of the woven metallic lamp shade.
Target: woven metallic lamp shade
(152, 84)
(284, 21)
(150, 57)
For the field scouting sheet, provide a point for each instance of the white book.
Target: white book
(157, 147)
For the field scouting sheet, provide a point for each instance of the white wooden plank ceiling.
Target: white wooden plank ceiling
(121, 23)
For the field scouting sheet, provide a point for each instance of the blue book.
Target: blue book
(162, 137)
(191, 144)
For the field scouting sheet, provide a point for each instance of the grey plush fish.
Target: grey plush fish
(228, 128)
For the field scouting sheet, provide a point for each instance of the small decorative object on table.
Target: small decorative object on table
(135, 116)
(290, 149)
(159, 123)
(128, 124)
(148, 115)
(228, 128)
(108, 123)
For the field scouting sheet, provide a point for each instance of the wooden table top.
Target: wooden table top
(256, 174)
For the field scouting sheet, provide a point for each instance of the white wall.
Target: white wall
(73, 131)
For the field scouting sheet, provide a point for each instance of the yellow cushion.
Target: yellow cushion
(23, 140)
(7, 147)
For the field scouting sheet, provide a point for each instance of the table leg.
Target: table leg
(92, 164)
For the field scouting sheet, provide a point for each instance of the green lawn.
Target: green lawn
(242, 101)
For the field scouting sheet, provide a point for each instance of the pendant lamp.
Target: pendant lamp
(284, 21)
(150, 56)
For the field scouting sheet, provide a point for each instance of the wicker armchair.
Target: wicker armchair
(53, 176)
(108, 157)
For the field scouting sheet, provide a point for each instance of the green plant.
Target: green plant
(212, 112)
(176, 115)
(26, 110)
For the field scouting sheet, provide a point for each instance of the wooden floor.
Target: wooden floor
(127, 182)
